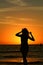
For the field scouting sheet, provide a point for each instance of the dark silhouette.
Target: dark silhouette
(24, 34)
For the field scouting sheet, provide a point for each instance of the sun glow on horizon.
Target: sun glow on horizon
(8, 34)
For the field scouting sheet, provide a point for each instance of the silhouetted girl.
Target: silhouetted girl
(24, 34)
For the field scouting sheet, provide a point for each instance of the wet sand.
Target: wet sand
(17, 63)
(21, 60)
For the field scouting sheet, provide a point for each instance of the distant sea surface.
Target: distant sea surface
(11, 53)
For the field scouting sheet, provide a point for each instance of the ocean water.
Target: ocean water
(11, 53)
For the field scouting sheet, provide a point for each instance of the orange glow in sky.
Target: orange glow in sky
(8, 34)
(18, 14)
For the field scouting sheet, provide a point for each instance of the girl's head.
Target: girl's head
(24, 31)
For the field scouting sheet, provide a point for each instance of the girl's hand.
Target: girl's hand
(30, 32)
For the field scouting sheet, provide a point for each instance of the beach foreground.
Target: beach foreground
(17, 63)
(11, 55)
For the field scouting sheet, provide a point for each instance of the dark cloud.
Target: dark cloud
(34, 2)
(27, 2)
(13, 3)
(5, 3)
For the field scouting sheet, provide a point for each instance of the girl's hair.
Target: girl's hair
(24, 30)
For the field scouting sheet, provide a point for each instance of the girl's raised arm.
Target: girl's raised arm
(31, 37)
(18, 34)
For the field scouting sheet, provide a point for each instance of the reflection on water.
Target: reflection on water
(21, 60)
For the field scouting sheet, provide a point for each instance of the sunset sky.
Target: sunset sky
(18, 14)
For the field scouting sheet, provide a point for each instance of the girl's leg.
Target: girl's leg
(24, 58)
